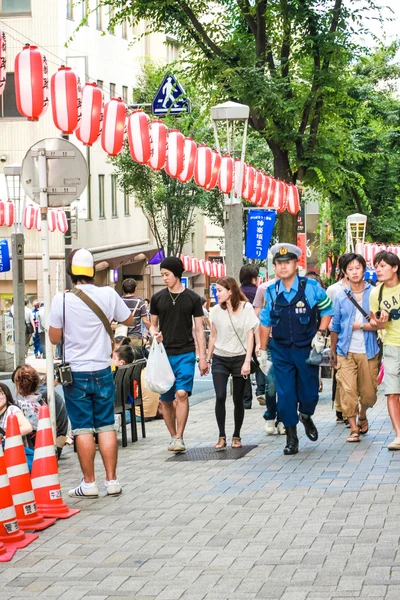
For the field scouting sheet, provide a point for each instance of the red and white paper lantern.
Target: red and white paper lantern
(3, 67)
(30, 216)
(139, 137)
(292, 199)
(65, 99)
(208, 268)
(175, 153)
(280, 197)
(203, 166)
(215, 166)
(249, 181)
(186, 262)
(9, 213)
(271, 193)
(31, 83)
(62, 222)
(225, 178)
(158, 144)
(92, 114)
(189, 158)
(38, 222)
(258, 184)
(265, 190)
(238, 167)
(52, 220)
(194, 265)
(112, 135)
(202, 266)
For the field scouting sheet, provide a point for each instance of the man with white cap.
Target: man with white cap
(290, 313)
(79, 321)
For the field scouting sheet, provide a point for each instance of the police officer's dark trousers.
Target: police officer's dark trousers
(297, 382)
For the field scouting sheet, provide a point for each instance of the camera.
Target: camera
(3, 158)
(63, 373)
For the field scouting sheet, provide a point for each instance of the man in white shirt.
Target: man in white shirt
(90, 397)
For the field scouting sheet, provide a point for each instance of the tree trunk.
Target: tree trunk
(287, 222)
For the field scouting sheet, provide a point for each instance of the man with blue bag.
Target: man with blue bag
(290, 313)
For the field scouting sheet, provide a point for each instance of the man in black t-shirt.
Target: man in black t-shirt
(172, 311)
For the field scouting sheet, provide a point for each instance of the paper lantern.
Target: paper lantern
(9, 213)
(265, 190)
(3, 66)
(194, 265)
(271, 194)
(2, 206)
(280, 197)
(215, 167)
(62, 222)
(113, 131)
(225, 177)
(292, 199)
(186, 262)
(249, 181)
(208, 268)
(158, 144)
(30, 216)
(202, 266)
(189, 158)
(139, 137)
(258, 185)
(65, 99)
(175, 157)
(92, 114)
(203, 166)
(52, 220)
(238, 164)
(31, 83)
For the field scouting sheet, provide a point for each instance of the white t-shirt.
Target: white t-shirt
(13, 409)
(335, 288)
(227, 342)
(357, 342)
(87, 343)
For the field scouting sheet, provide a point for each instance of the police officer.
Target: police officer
(290, 310)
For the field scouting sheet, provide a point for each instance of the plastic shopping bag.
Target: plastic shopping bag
(159, 376)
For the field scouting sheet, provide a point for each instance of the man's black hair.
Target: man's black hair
(78, 278)
(389, 258)
(247, 274)
(341, 262)
(129, 286)
(349, 257)
(126, 354)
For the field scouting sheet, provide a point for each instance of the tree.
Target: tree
(283, 58)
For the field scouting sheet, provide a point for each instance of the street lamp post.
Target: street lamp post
(13, 182)
(232, 113)
(356, 226)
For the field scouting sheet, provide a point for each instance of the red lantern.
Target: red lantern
(186, 262)
(92, 114)
(65, 99)
(256, 198)
(30, 216)
(249, 181)
(238, 164)
(139, 137)
(112, 135)
(225, 178)
(279, 202)
(176, 143)
(293, 200)
(271, 193)
(265, 190)
(208, 267)
(9, 213)
(203, 165)
(62, 222)
(52, 220)
(2, 213)
(194, 265)
(31, 83)
(3, 68)
(158, 140)
(215, 167)
(202, 266)
(189, 158)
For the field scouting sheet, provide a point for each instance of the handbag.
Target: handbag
(254, 364)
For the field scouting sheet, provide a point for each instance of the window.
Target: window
(100, 83)
(124, 30)
(70, 9)
(111, 15)
(112, 90)
(125, 94)
(126, 203)
(8, 105)
(101, 197)
(85, 11)
(15, 7)
(114, 208)
(99, 17)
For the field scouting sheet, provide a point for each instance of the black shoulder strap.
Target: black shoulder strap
(380, 295)
(358, 307)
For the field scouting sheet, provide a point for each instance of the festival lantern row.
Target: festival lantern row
(150, 143)
(369, 251)
(205, 267)
(56, 219)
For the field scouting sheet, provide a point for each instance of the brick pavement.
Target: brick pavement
(322, 525)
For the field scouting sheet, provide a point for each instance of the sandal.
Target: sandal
(221, 444)
(363, 426)
(354, 436)
(236, 442)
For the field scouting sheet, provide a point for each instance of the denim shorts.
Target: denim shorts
(90, 401)
(183, 367)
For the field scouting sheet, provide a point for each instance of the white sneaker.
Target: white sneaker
(281, 428)
(171, 446)
(84, 492)
(179, 445)
(269, 427)
(261, 400)
(113, 487)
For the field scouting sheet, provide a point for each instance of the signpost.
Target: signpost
(301, 237)
(170, 99)
(4, 256)
(260, 225)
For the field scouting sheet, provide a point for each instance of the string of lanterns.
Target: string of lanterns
(369, 251)
(205, 267)
(56, 219)
(82, 111)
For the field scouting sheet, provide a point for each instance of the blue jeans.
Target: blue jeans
(90, 401)
(266, 387)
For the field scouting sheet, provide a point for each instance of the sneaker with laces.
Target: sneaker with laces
(82, 491)
(281, 428)
(171, 446)
(261, 400)
(269, 427)
(179, 445)
(113, 487)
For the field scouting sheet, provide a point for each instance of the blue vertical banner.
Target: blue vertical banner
(4, 256)
(260, 225)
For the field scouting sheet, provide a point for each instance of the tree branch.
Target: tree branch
(201, 31)
(285, 48)
(245, 7)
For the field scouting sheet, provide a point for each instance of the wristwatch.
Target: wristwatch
(362, 326)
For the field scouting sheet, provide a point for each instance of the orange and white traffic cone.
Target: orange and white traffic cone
(6, 555)
(20, 480)
(45, 481)
(10, 534)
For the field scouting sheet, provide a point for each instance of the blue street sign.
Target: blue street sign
(260, 225)
(170, 99)
(4, 256)
(185, 281)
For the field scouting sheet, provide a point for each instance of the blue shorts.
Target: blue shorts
(183, 367)
(90, 401)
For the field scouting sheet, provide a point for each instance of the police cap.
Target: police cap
(281, 252)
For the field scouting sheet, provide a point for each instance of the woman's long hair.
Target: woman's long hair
(237, 295)
(6, 390)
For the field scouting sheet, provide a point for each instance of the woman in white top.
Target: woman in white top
(7, 408)
(233, 324)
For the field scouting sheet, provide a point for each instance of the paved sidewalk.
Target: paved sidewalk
(322, 525)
